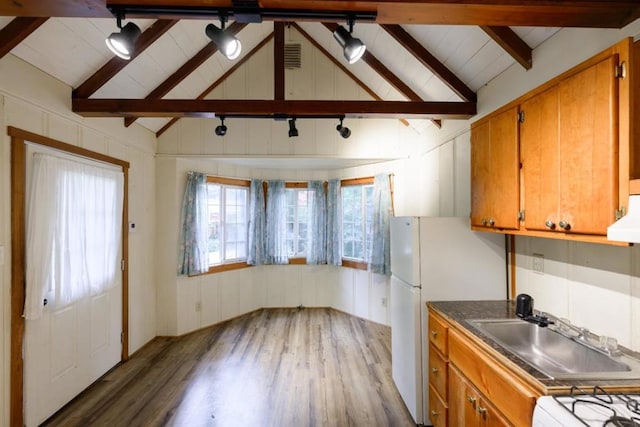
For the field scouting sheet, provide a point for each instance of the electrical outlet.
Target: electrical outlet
(198, 307)
(383, 301)
(538, 263)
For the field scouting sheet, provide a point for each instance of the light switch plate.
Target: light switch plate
(538, 263)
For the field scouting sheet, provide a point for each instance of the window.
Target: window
(357, 217)
(227, 205)
(298, 205)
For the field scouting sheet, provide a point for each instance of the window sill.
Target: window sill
(228, 267)
(358, 265)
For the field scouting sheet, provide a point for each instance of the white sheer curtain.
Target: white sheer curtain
(74, 231)
(317, 245)
(276, 222)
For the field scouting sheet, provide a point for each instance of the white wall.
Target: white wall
(189, 303)
(33, 101)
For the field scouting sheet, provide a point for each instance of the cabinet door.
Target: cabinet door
(480, 173)
(488, 416)
(539, 152)
(495, 171)
(463, 401)
(589, 148)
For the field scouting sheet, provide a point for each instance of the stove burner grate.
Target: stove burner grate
(607, 403)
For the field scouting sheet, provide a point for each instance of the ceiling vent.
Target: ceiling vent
(292, 55)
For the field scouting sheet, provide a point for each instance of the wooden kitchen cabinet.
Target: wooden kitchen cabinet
(438, 371)
(468, 387)
(574, 154)
(495, 171)
(569, 153)
(467, 406)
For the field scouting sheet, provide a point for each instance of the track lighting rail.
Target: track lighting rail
(240, 14)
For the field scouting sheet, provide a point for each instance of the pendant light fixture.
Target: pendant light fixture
(123, 43)
(352, 47)
(228, 44)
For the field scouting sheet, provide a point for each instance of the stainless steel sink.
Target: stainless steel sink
(555, 355)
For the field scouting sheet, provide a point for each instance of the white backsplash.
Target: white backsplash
(594, 286)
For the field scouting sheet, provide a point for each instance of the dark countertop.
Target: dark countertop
(457, 312)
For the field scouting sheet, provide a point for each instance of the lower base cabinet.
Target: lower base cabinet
(467, 406)
(469, 386)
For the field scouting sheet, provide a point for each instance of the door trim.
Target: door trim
(18, 261)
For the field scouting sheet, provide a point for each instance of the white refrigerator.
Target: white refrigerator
(435, 259)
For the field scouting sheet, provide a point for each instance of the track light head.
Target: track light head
(292, 128)
(221, 129)
(123, 43)
(344, 131)
(228, 44)
(352, 47)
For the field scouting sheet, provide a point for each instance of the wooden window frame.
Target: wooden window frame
(237, 265)
(346, 262)
(349, 262)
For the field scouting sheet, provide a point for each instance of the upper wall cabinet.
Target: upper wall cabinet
(495, 171)
(576, 151)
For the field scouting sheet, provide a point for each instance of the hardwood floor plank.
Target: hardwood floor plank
(272, 367)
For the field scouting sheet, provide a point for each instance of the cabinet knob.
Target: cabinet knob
(482, 411)
(549, 224)
(564, 225)
(434, 413)
(492, 222)
(434, 334)
(471, 400)
(484, 221)
(434, 370)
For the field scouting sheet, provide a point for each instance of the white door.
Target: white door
(69, 347)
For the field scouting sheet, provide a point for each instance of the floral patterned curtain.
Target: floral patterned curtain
(317, 246)
(334, 223)
(256, 255)
(192, 258)
(380, 246)
(276, 231)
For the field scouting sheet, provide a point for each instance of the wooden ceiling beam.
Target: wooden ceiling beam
(221, 79)
(115, 64)
(512, 43)
(341, 66)
(556, 13)
(430, 62)
(17, 30)
(187, 68)
(89, 107)
(278, 61)
(372, 61)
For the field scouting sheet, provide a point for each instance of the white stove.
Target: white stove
(587, 408)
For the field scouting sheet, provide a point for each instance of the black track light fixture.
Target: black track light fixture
(123, 43)
(344, 131)
(221, 129)
(292, 128)
(227, 43)
(352, 47)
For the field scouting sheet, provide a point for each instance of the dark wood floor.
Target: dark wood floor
(272, 367)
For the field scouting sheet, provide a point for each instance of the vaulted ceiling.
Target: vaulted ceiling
(425, 59)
